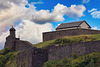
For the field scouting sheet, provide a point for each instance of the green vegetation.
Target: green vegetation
(69, 40)
(56, 63)
(90, 60)
(44, 44)
(7, 58)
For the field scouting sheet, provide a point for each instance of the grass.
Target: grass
(44, 44)
(96, 36)
(8, 58)
(86, 59)
(69, 40)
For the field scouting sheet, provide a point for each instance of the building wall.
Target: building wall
(59, 52)
(67, 28)
(10, 43)
(84, 26)
(58, 34)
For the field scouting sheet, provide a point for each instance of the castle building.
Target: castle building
(73, 25)
(70, 29)
(31, 56)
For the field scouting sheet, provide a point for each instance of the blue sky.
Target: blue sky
(49, 5)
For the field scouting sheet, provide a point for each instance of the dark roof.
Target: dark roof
(12, 29)
(71, 24)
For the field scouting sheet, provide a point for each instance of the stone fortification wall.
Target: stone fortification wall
(24, 58)
(22, 45)
(33, 57)
(39, 57)
(72, 32)
(59, 52)
(86, 47)
(10, 43)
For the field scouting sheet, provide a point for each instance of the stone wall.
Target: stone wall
(10, 43)
(22, 45)
(36, 57)
(72, 32)
(33, 57)
(40, 56)
(24, 58)
(59, 52)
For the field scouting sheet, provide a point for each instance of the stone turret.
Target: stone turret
(12, 32)
(10, 40)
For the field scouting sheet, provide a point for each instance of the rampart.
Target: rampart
(23, 45)
(59, 52)
(29, 55)
(32, 58)
(72, 32)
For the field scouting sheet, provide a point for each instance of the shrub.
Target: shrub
(61, 41)
(6, 57)
(74, 56)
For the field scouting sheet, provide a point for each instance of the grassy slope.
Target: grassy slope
(90, 60)
(7, 58)
(69, 39)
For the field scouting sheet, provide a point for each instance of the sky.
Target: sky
(33, 17)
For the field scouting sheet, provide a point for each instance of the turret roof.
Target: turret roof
(12, 29)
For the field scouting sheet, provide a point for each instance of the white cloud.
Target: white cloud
(75, 11)
(44, 16)
(95, 13)
(2, 39)
(92, 10)
(86, 1)
(37, 3)
(57, 13)
(10, 16)
(8, 3)
(95, 28)
(31, 31)
(58, 24)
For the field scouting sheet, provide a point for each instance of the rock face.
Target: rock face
(31, 56)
